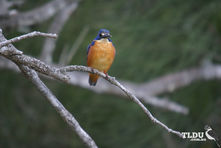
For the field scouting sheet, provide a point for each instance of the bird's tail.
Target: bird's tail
(93, 79)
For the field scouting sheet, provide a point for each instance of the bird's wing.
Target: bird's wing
(89, 46)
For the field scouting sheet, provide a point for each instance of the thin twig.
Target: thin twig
(126, 91)
(29, 35)
(56, 26)
(64, 113)
(63, 55)
(76, 44)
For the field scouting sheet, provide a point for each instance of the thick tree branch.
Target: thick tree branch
(32, 75)
(35, 64)
(113, 81)
(174, 81)
(67, 116)
(80, 79)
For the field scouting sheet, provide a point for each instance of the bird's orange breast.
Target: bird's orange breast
(101, 55)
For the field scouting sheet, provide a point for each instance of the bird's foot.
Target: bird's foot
(107, 76)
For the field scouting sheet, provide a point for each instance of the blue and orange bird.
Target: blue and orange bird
(100, 54)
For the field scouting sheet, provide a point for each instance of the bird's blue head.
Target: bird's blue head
(103, 33)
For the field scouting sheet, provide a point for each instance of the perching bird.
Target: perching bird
(100, 54)
(211, 135)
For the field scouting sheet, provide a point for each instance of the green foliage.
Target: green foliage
(151, 37)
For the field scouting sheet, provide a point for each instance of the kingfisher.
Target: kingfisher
(100, 54)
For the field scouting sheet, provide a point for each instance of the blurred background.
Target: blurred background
(153, 38)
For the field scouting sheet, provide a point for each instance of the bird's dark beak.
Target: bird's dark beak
(106, 35)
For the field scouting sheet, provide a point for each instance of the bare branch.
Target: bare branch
(76, 44)
(67, 116)
(41, 67)
(66, 56)
(55, 73)
(126, 91)
(16, 56)
(32, 75)
(171, 82)
(63, 55)
(80, 79)
(29, 35)
(56, 27)
(36, 15)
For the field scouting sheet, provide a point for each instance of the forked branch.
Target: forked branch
(29, 65)
(113, 81)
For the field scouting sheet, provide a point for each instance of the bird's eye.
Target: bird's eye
(102, 34)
